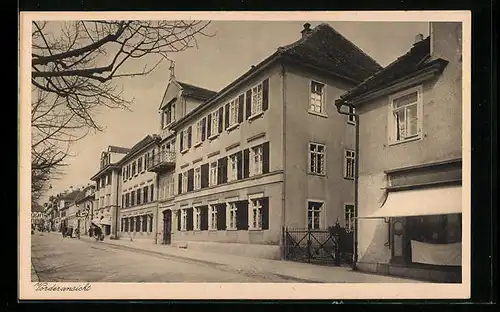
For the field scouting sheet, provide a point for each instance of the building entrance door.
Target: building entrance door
(401, 251)
(167, 226)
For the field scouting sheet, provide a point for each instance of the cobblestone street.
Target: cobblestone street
(57, 259)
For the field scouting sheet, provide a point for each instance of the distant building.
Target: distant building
(107, 191)
(37, 215)
(410, 160)
(255, 157)
(85, 209)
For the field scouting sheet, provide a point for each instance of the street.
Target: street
(58, 259)
(71, 260)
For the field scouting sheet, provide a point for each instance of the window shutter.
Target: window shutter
(242, 215)
(265, 213)
(249, 104)
(190, 180)
(265, 157)
(189, 136)
(203, 128)
(241, 100)
(224, 170)
(246, 163)
(152, 192)
(221, 217)
(265, 94)
(178, 215)
(204, 175)
(180, 184)
(221, 117)
(181, 140)
(189, 219)
(239, 160)
(219, 171)
(209, 125)
(204, 218)
(226, 116)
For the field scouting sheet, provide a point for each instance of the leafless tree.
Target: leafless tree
(74, 71)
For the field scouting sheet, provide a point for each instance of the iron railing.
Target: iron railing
(318, 246)
(161, 160)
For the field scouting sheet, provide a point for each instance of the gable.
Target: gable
(173, 90)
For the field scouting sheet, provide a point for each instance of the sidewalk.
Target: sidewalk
(300, 272)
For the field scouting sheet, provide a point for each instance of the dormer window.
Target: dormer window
(168, 115)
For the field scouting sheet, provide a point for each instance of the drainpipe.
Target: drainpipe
(339, 104)
(283, 197)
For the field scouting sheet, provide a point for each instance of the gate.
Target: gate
(326, 247)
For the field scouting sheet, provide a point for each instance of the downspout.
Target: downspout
(283, 197)
(339, 104)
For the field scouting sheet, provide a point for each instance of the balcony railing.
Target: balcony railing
(165, 160)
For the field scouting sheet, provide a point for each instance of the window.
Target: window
(133, 168)
(108, 199)
(437, 229)
(233, 168)
(185, 137)
(214, 127)
(314, 215)
(146, 161)
(197, 178)
(233, 112)
(184, 182)
(213, 217)
(184, 215)
(139, 164)
(145, 194)
(123, 174)
(138, 196)
(197, 137)
(350, 118)
(132, 198)
(213, 174)
(197, 220)
(232, 216)
(256, 161)
(152, 188)
(127, 200)
(317, 97)
(349, 217)
(144, 220)
(405, 118)
(256, 214)
(317, 158)
(256, 99)
(349, 164)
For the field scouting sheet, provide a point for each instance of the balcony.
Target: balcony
(163, 161)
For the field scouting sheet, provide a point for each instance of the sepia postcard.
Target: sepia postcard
(245, 155)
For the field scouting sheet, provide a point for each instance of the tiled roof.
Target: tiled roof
(196, 92)
(118, 149)
(141, 144)
(325, 48)
(412, 61)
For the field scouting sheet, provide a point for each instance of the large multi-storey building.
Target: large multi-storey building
(269, 150)
(410, 160)
(107, 191)
(85, 208)
(138, 192)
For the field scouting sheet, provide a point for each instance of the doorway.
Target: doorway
(167, 226)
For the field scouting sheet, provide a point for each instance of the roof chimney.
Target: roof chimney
(306, 30)
(418, 38)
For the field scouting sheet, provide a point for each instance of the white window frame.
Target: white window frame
(184, 181)
(349, 164)
(231, 219)
(212, 174)
(256, 168)
(255, 204)
(350, 118)
(197, 178)
(349, 223)
(212, 216)
(321, 213)
(322, 97)
(183, 219)
(171, 190)
(392, 131)
(198, 131)
(321, 172)
(233, 113)
(197, 219)
(214, 126)
(232, 168)
(185, 137)
(257, 100)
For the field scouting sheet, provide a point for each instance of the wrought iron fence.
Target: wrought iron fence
(329, 247)
(163, 157)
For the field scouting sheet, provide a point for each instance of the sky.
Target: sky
(215, 63)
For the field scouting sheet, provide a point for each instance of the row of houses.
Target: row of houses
(317, 133)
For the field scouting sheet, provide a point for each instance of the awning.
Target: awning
(106, 221)
(420, 202)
